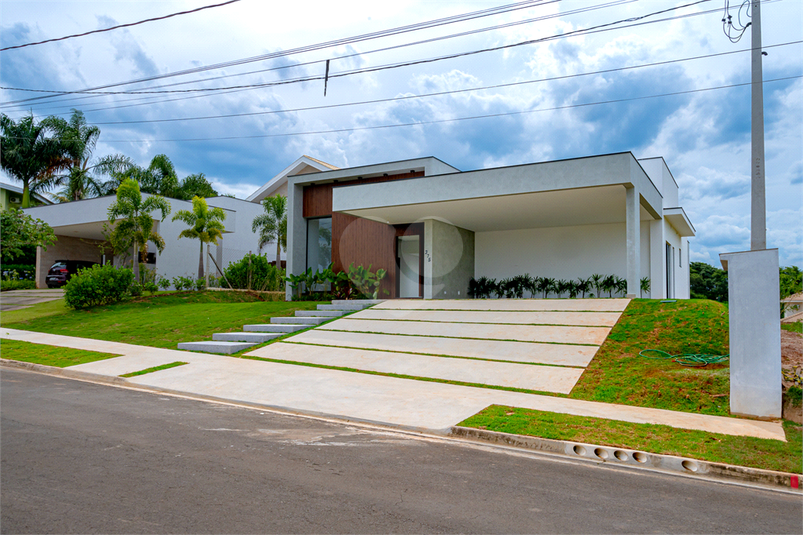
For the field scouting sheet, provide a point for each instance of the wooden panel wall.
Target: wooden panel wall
(358, 240)
(365, 243)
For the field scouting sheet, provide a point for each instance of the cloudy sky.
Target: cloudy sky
(577, 95)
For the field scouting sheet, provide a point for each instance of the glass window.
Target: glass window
(319, 243)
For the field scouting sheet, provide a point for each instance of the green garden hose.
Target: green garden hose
(685, 359)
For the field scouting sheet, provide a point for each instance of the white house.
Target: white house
(433, 227)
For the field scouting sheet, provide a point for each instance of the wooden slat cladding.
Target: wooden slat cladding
(365, 243)
(318, 197)
(317, 200)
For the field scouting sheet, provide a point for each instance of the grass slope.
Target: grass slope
(158, 321)
(713, 447)
(617, 374)
(60, 357)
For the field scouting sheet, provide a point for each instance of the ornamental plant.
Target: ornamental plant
(98, 285)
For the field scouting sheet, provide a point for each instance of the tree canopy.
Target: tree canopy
(18, 231)
(205, 225)
(272, 225)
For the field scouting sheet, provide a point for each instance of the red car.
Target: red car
(60, 272)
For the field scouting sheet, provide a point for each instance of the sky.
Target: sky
(546, 100)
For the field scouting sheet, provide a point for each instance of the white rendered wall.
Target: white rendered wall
(558, 252)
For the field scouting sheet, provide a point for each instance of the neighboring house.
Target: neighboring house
(79, 229)
(11, 197)
(792, 308)
(433, 227)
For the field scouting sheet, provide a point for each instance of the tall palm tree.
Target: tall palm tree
(80, 178)
(159, 178)
(205, 226)
(135, 228)
(272, 225)
(29, 155)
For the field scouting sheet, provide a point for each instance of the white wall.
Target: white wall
(559, 252)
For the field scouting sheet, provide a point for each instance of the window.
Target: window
(680, 256)
(319, 243)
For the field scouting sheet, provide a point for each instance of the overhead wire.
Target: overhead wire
(455, 119)
(595, 29)
(128, 25)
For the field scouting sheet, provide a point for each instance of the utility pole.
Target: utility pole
(758, 204)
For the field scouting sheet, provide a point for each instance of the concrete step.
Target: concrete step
(350, 307)
(274, 328)
(257, 337)
(319, 313)
(309, 321)
(224, 348)
(366, 302)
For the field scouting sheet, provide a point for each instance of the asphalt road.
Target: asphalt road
(86, 458)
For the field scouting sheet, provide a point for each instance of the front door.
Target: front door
(408, 253)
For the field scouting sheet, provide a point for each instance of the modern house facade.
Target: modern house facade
(433, 227)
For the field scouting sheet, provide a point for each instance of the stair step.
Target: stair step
(224, 348)
(255, 337)
(309, 321)
(274, 328)
(351, 307)
(366, 302)
(319, 313)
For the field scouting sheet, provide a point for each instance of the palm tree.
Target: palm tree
(159, 178)
(608, 284)
(546, 285)
(583, 285)
(562, 286)
(621, 285)
(596, 282)
(272, 225)
(78, 140)
(205, 226)
(572, 288)
(29, 155)
(135, 229)
(644, 284)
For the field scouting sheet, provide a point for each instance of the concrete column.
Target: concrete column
(657, 260)
(758, 209)
(296, 234)
(428, 224)
(633, 226)
(755, 333)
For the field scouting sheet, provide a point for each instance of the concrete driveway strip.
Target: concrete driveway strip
(595, 305)
(522, 333)
(403, 402)
(603, 319)
(526, 376)
(555, 354)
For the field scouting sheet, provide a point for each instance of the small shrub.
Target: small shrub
(8, 285)
(136, 289)
(19, 272)
(200, 284)
(183, 283)
(98, 285)
(253, 272)
(150, 287)
(164, 283)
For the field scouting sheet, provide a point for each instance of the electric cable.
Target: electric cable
(119, 26)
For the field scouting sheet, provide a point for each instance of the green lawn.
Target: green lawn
(617, 374)
(162, 320)
(743, 451)
(60, 357)
(155, 369)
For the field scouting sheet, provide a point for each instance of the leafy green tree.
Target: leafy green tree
(81, 174)
(134, 229)
(18, 231)
(791, 279)
(195, 186)
(29, 154)
(708, 282)
(272, 225)
(205, 225)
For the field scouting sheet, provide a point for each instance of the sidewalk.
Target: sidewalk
(406, 403)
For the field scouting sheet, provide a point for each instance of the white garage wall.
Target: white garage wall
(560, 252)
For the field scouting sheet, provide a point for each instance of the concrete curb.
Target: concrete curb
(633, 458)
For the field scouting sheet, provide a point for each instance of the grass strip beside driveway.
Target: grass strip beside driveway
(162, 320)
(713, 447)
(60, 357)
(155, 369)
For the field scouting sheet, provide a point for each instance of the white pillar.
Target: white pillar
(633, 231)
(657, 260)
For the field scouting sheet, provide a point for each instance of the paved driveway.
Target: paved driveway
(17, 299)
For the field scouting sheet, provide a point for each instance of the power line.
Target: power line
(119, 26)
(455, 119)
(328, 44)
(593, 29)
(439, 93)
